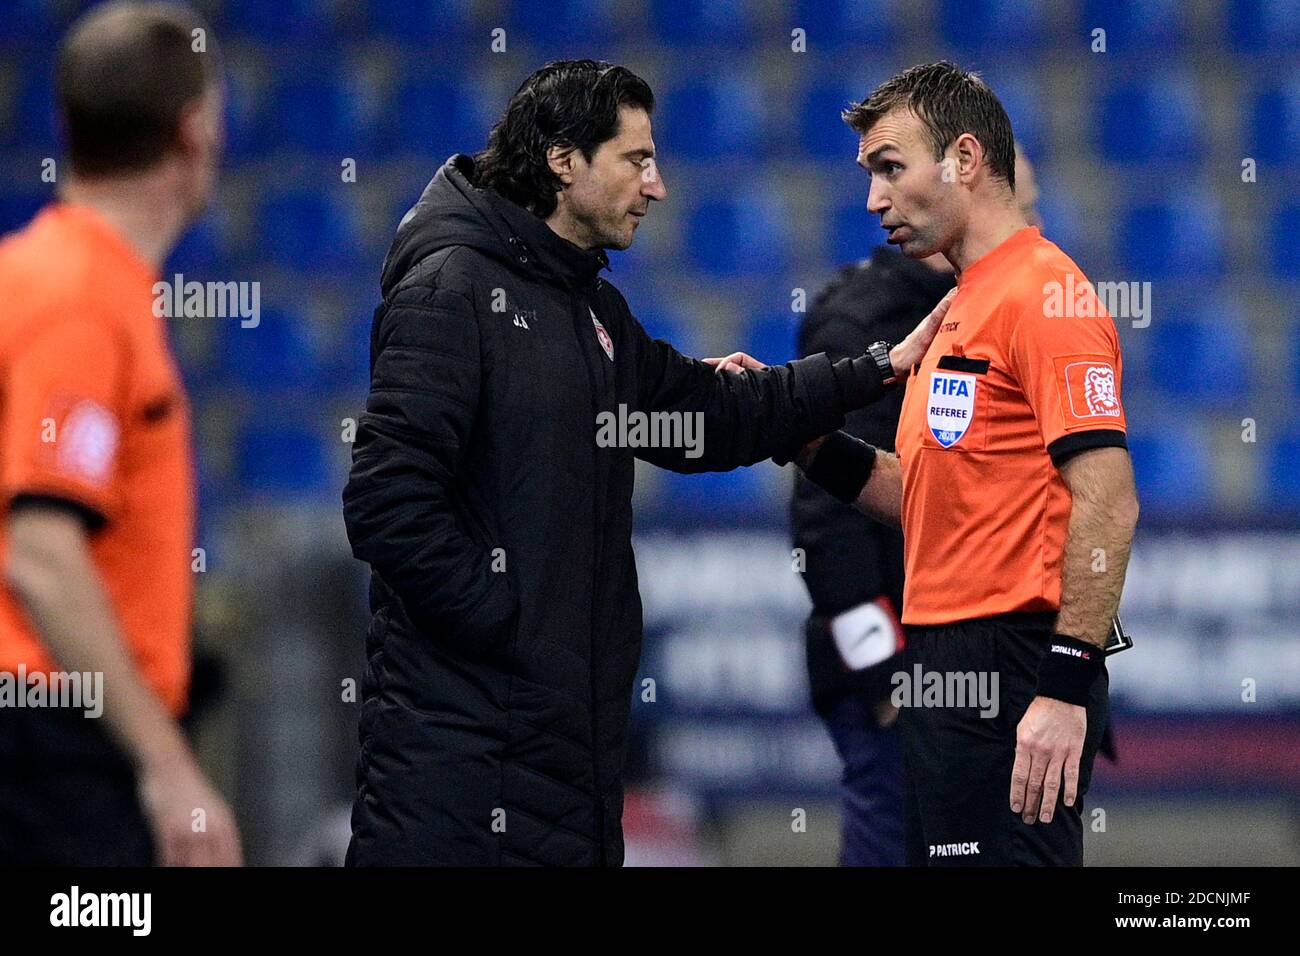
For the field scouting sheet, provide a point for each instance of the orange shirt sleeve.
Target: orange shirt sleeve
(1070, 371)
(63, 404)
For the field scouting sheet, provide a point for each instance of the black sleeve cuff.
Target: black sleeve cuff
(90, 517)
(1067, 446)
(860, 382)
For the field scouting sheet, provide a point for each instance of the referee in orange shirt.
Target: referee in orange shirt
(96, 474)
(1012, 485)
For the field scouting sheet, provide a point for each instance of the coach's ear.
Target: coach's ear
(562, 160)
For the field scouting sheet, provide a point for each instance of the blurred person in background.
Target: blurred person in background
(854, 569)
(496, 520)
(96, 467)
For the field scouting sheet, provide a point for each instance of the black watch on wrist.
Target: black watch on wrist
(879, 351)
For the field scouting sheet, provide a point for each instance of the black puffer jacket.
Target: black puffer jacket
(506, 622)
(852, 559)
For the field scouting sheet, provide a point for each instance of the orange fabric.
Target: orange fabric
(92, 411)
(985, 510)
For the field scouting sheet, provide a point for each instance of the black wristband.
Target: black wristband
(842, 466)
(1069, 668)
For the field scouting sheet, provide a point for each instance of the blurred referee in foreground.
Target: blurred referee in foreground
(855, 565)
(1012, 484)
(96, 483)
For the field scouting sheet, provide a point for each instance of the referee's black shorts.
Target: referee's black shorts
(960, 760)
(67, 793)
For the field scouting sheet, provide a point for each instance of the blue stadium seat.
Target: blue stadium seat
(693, 22)
(1136, 26)
(770, 338)
(282, 462)
(714, 117)
(1155, 118)
(1201, 355)
(277, 355)
(432, 115)
(200, 248)
(1275, 123)
(33, 120)
(17, 209)
(1171, 469)
(1021, 94)
(430, 21)
(840, 23)
(308, 228)
(324, 111)
(716, 498)
(1263, 25)
(277, 21)
(28, 23)
(1283, 474)
(822, 134)
(663, 321)
(1183, 237)
(248, 131)
(993, 25)
(1283, 231)
(739, 236)
(853, 231)
(561, 23)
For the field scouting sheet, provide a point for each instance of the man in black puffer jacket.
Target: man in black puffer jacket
(506, 624)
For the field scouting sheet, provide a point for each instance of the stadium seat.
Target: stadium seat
(975, 26)
(822, 134)
(1171, 469)
(663, 321)
(1155, 118)
(431, 115)
(1200, 355)
(1262, 25)
(27, 24)
(1283, 232)
(770, 338)
(1275, 123)
(1136, 26)
(847, 23)
(283, 462)
(853, 233)
(280, 21)
(32, 123)
(716, 498)
(308, 226)
(687, 23)
(321, 111)
(1282, 472)
(17, 209)
(277, 355)
(714, 117)
(558, 24)
(732, 237)
(420, 24)
(1022, 95)
(1182, 237)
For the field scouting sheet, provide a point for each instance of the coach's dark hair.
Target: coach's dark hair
(126, 71)
(949, 101)
(566, 103)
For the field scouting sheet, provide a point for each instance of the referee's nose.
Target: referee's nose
(877, 196)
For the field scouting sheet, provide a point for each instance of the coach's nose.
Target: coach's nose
(652, 183)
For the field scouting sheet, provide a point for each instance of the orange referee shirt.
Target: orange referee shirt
(1009, 387)
(92, 412)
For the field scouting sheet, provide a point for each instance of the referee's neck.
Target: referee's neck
(986, 229)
